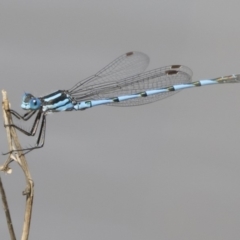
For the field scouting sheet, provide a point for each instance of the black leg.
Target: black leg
(34, 127)
(41, 137)
(25, 117)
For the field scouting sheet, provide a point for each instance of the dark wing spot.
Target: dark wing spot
(129, 54)
(171, 72)
(175, 66)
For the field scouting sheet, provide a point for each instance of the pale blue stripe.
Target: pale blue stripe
(53, 97)
(208, 82)
(182, 86)
(126, 97)
(155, 91)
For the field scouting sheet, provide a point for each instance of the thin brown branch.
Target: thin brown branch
(7, 212)
(19, 157)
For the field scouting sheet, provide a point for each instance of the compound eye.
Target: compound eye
(34, 102)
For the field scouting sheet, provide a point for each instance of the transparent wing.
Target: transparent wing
(158, 78)
(124, 66)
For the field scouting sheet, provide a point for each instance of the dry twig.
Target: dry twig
(19, 157)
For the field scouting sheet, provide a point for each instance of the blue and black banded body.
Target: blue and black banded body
(123, 82)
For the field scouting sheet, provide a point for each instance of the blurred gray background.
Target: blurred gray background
(167, 170)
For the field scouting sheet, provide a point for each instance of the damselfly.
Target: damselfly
(123, 83)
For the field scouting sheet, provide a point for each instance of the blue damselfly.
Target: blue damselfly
(123, 83)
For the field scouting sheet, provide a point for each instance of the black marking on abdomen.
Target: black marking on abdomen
(143, 94)
(89, 102)
(197, 84)
(116, 99)
(171, 89)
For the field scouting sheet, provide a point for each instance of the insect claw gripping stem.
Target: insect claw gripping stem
(33, 130)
